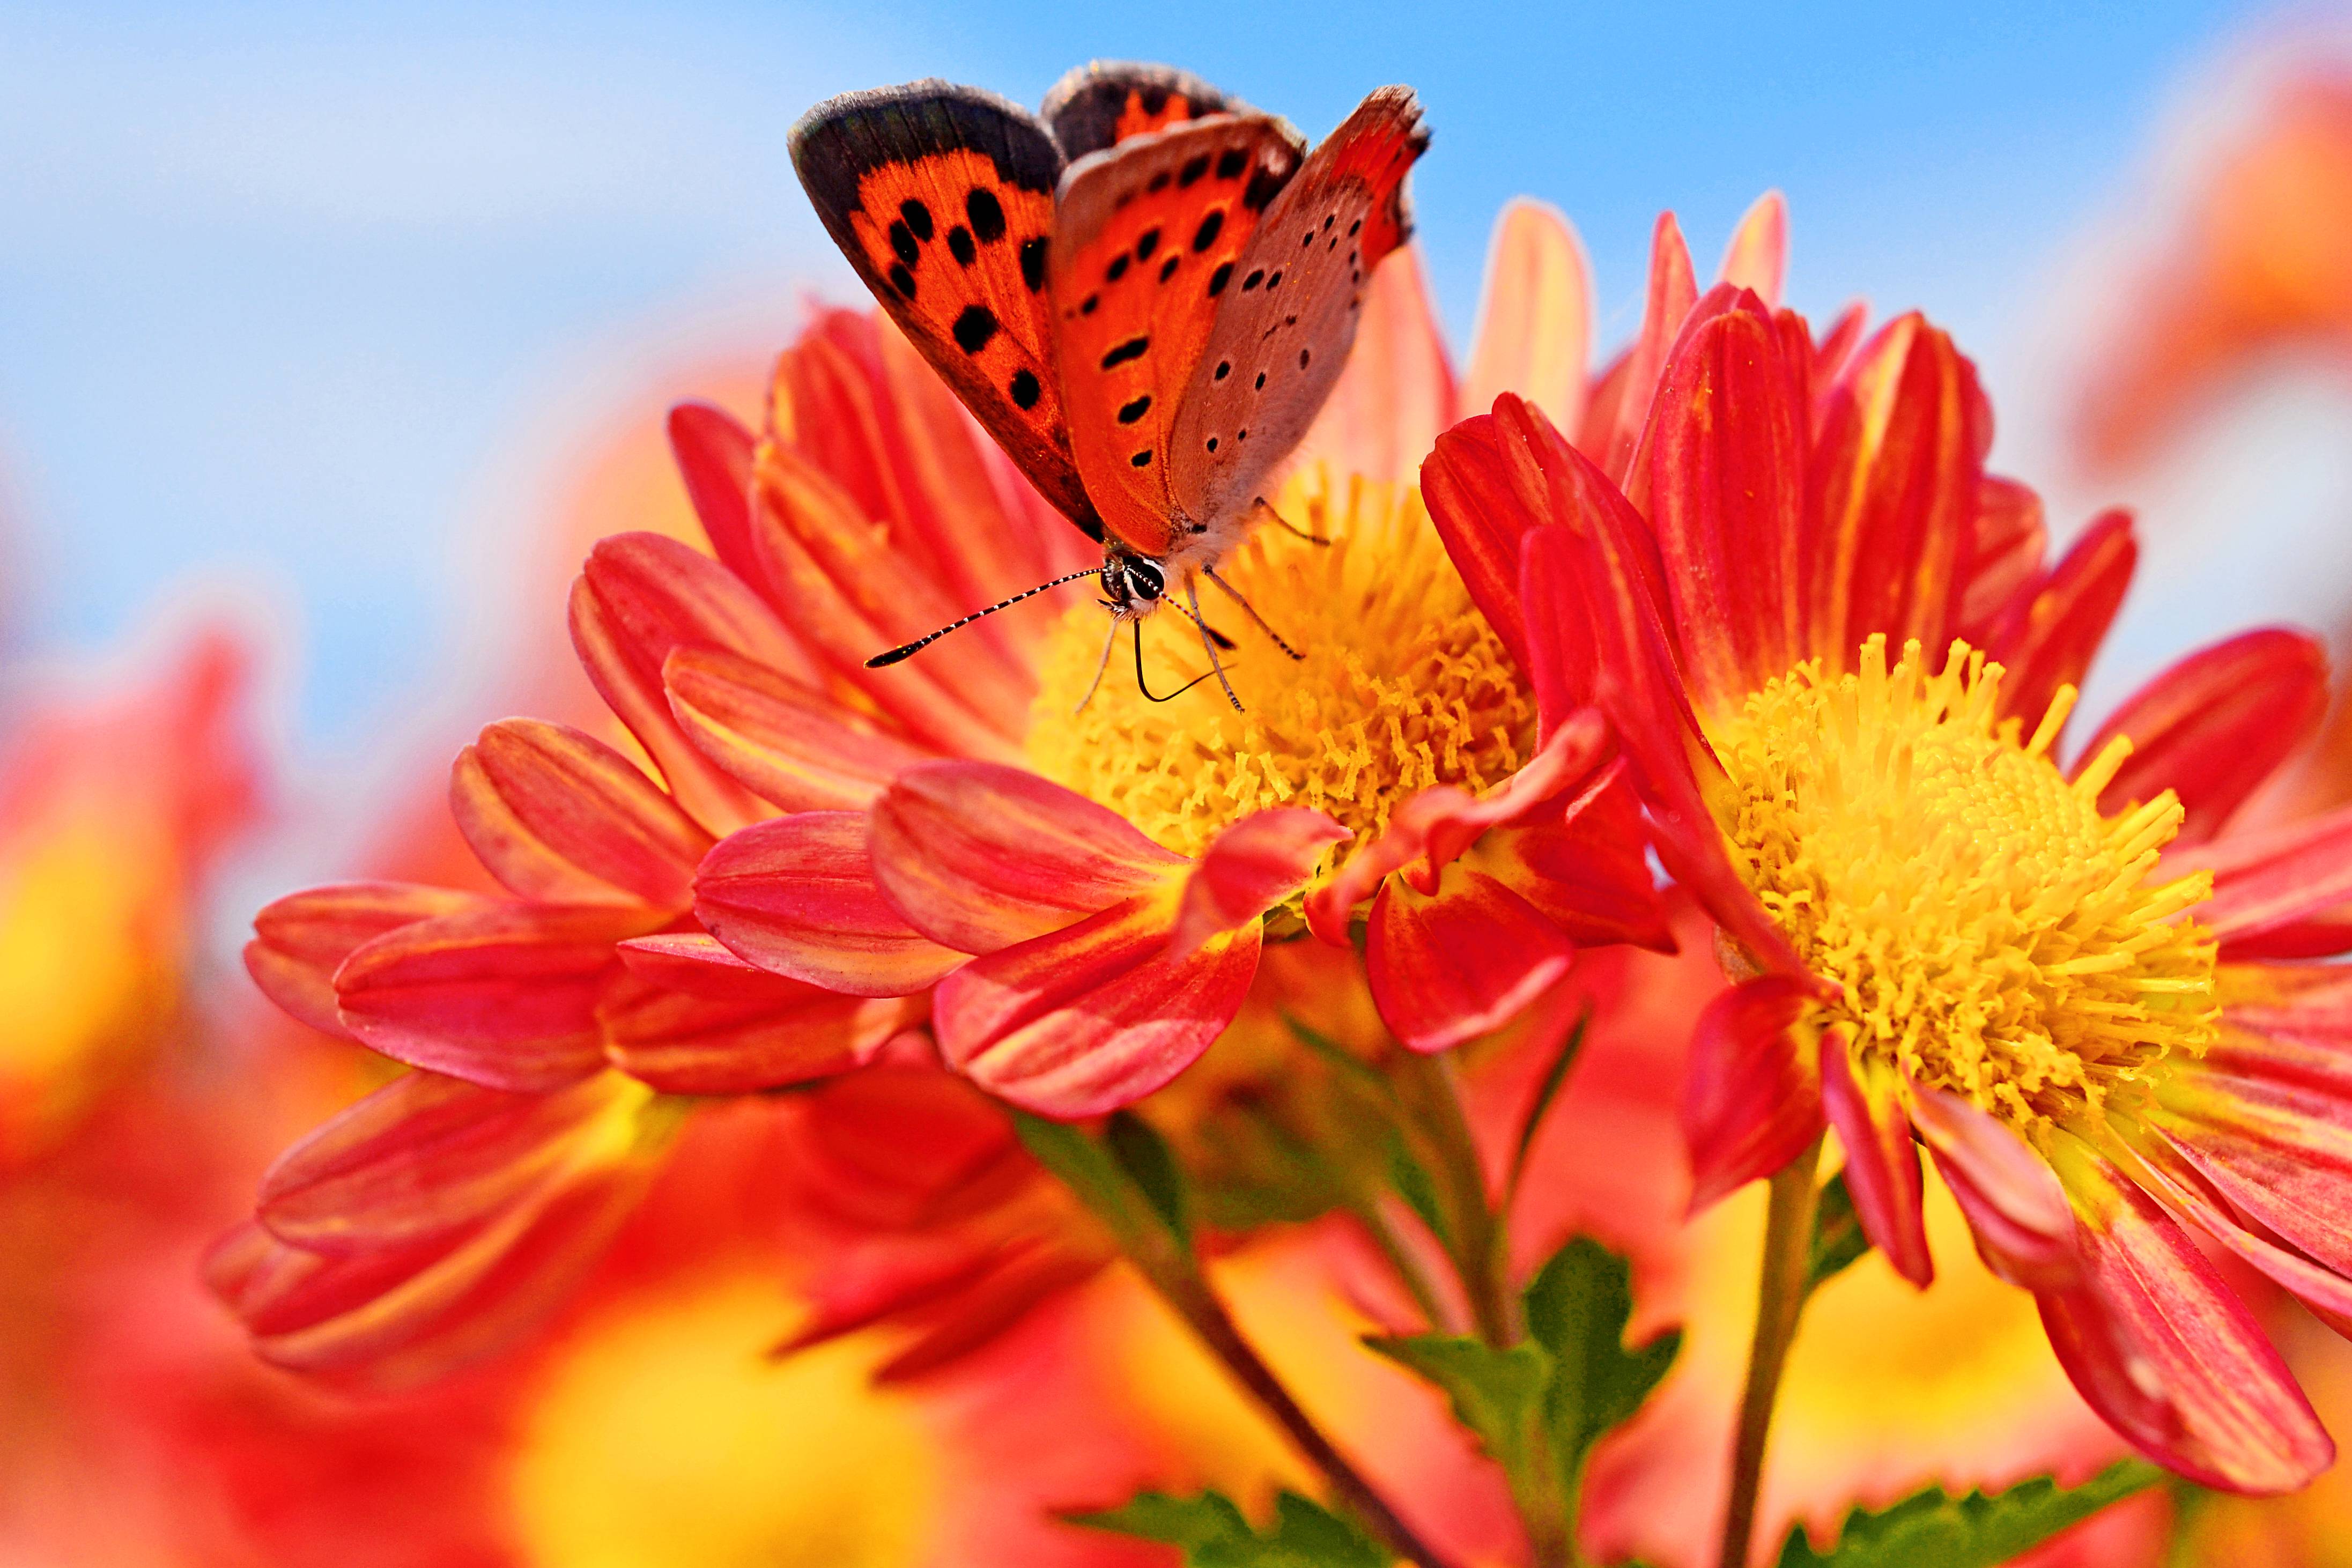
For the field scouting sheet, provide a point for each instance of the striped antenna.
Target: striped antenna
(907, 650)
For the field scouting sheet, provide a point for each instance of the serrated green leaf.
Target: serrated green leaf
(1931, 1529)
(1838, 1240)
(1577, 1308)
(1496, 1394)
(1215, 1533)
(1151, 1165)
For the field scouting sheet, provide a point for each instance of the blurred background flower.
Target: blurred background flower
(376, 321)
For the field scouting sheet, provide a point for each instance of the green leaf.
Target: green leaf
(1151, 1165)
(1215, 1533)
(1931, 1529)
(1577, 1309)
(1546, 1091)
(1496, 1394)
(1838, 1241)
(1414, 1183)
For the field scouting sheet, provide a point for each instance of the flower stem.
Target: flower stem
(1426, 1086)
(1190, 1294)
(1780, 1296)
(1407, 1268)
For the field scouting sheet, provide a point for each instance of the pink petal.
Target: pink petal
(1247, 870)
(2212, 727)
(1758, 257)
(302, 939)
(765, 1033)
(560, 817)
(793, 745)
(1751, 1102)
(2004, 556)
(2163, 1351)
(797, 896)
(1882, 1166)
(2278, 893)
(2024, 1230)
(714, 458)
(979, 856)
(1535, 322)
(504, 996)
(1087, 1019)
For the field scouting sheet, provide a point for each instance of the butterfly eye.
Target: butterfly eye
(1146, 579)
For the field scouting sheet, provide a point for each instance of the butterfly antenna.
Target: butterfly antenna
(1193, 602)
(1095, 685)
(907, 650)
(1251, 610)
(1136, 622)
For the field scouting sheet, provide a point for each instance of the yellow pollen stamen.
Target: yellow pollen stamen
(1404, 684)
(1992, 931)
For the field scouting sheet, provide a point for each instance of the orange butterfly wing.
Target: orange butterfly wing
(942, 198)
(1147, 238)
(1109, 101)
(1283, 331)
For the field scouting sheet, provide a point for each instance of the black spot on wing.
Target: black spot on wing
(917, 218)
(902, 281)
(1191, 173)
(1211, 226)
(1220, 277)
(959, 246)
(1146, 243)
(1131, 349)
(1167, 268)
(1116, 270)
(1142, 459)
(986, 214)
(1231, 163)
(1024, 389)
(1032, 262)
(975, 328)
(902, 242)
(1130, 412)
(1158, 182)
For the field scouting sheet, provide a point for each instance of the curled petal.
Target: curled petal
(640, 598)
(1448, 968)
(1094, 1017)
(1894, 492)
(1248, 868)
(2017, 1211)
(2162, 1349)
(2285, 892)
(426, 1156)
(979, 856)
(1437, 825)
(1484, 491)
(714, 458)
(2212, 727)
(1535, 321)
(300, 941)
(1726, 476)
(1758, 257)
(1882, 1166)
(1752, 1100)
(797, 896)
(2048, 634)
(790, 743)
(561, 817)
(1586, 866)
(504, 996)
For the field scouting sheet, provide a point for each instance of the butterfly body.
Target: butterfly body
(1144, 297)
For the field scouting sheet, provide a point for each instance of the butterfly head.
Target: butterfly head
(1132, 584)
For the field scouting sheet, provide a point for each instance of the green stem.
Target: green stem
(1780, 1296)
(1426, 1086)
(1408, 1268)
(1192, 1299)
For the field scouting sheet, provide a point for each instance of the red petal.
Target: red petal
(765, 1033)
(1484, 492)
(1758, 257)
(2280, 893)
(640, 598)
(504, 996)
(560, 817)
(2166, 1353)
(792, 744)
(1247, 870)
(1727, 473)
(1882, 1166)
(302, 939)
(1535, 322)
(2006, 554)
(2212, 727)
(797, 896)
(2047, 637)
(1674, 290)
(1447, 969)
(979, 856)
(2024, 1231)
(426, 1156)
(1751, 1102)
(1587, 868)
(1092, 1017)
(1894, 478)
(714, 458)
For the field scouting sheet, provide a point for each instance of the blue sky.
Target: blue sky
(281, 292)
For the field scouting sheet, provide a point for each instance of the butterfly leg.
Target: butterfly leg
(1192, 607)
(1096, 684)
(1264, 511)
(1251, 610)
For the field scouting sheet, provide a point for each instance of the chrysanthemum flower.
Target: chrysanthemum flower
(1840, 672)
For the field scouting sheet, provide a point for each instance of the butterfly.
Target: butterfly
(1144, 292)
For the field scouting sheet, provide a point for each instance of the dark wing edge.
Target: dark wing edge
(1083, 109)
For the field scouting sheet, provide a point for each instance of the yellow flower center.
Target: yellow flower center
(1403, 685)
(1994, 933)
